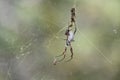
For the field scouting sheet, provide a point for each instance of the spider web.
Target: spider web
(57, 37)
(99, 52)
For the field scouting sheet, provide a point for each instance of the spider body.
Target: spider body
(70, 37)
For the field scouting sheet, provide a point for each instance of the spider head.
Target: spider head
(73, 10)
(67, 32)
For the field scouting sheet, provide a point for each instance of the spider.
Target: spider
(69, 38)
(70, 34)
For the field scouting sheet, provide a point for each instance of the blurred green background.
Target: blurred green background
(30, 37)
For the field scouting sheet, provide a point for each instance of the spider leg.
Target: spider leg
(63, 54)
(71, 57)
(62, 58)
